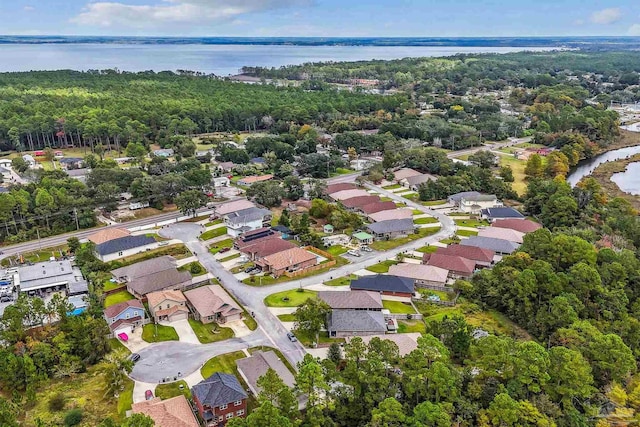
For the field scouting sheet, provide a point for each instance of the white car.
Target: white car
(353, 252)
(366, 249)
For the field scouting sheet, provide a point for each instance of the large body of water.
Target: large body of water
(629, 180)
(586, 168)
(221, 60)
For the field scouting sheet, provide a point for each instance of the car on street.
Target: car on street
(223, 250)
(353, 252)
(134, 357)
(291, 337)
(366, 249)
(148, 395)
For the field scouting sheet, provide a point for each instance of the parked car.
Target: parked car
(353, 252)
(148, 395)
(6, 298)
(248, 270)
(291, 337)
(366, 249)
(223, 250)
(134, 357)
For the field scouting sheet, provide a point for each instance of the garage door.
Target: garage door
(234, 317)
(122, 329)
(178, 316)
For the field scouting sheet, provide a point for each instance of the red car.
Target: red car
(148, 395)
(223, 250)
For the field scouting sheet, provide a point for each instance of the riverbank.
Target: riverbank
(603, 174)
(627, 139)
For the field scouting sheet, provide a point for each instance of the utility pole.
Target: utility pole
(75, 214)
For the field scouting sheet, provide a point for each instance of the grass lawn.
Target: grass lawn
(341, 281)
(466, 233)
(165, 333)
(401, 205)
(336, 250)
(292, 298)
(385, 245)
(434, 202)
(341, 171)
(250, 322)
(408, 326)
(450, 241)
(167, 391)
(225, 363)
(382, 267)
(417, 212)
(425, 220)
(427, 249)
(392, 186)
(398, 307)
(470, 222)
(125, 400)
(519, 184)
(116, 298)
(108, 285)
(230, 257)
(178, 251)
(287, 317)
(277, 352)
(116, 345)
(412, 196)
(205, 333)
(215, 247)
(216, 232)
(187, 267)
(212, 223)
(444, 296)
(386, 199)
(322, 339)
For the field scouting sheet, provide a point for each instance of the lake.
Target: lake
(587, 167)
(629, 180)
(221, 60)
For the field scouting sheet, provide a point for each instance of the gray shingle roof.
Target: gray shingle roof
(144, 268)
(384, 283)
(80, 287)
(504, 212)
(159, 281)
(123, 244)
(357, 321)
(252, 368)
(219, 389)
(465, 194)
(351, 300)
(247, 215)
(391, 226)
(496, 245)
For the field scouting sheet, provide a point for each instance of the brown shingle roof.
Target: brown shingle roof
(266, 247)
(457, 264)
(288, 258)
(114, 310)
(334, 188)
(236, 205)
(252, 368)
(521, 225)
(356, 202)
(351, 299)
(155, 298)
(420, 272)
(502, 233)
(108, 234)
(347, 194)
(174, 412)
(378, 207)
(469, 252)
(391, 214)
(405, 173)
(211, 300)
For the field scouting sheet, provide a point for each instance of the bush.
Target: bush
(73, 418)
(56, 402)
(195, 268)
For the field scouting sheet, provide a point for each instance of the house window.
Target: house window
(128, 315)
(237, 403)
(230, 415)
(223, 407)
(120, 253)
(240, 413)
(220, 418)
(135, 313)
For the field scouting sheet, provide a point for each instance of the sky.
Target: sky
(322, 18)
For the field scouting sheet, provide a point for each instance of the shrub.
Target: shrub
(56, 402)
(195, 268)
(73, 418)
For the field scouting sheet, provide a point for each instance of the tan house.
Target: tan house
(290, 260)
(405, 173)
(424, 276)
(108, 234)
(168, 305)
(212, 304)
(173, 412)
(249, 180)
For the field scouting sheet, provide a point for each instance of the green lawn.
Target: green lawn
(425, 220)
(385, 245)
(517, 166)
(167, 391)
(398, 307)
(108, 285)
(116, 298)
(125, 399)
(434, 202)
(341, 281)
(382, 267)
(292, 298)
(427, 249)
(116, 345)
(450, 241)
(444, 296)
(217, 246)
(216, 232)
(225, 363)
(417, 212)
(392, 186)
(212, 223)
(336, 250)
(470, 222)
(401, 205)
(230, 257)
(270, 280)
(323, 338)
(287, 317)
(164, 333)
(205, 333)
(466, 233)
(199, 268)
(250, 322)
(408, 326)
(341, 171)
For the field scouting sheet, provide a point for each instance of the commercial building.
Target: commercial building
(46, 277)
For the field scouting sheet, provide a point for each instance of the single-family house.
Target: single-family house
(405, 173)
(30, 160)
(259, 162)
(342, 186)
(385, 284)
(265, 247)
(144, 268)
(107, 234)
(124, 317)
(391, 229)
(499, 246)
(6, 163)
(247, 220)
(482, 257)
(171, 279)
(250, 180)
(254, 367)
(474, 204)
(423, 276)
(458, 267)
(363, 238)
(354, 203)
(173, 412)
(502, 233)
(231, 207)
(290, 261)
(5, 173)
(212, 304)
(406, 342)
(335, 239)
(348, 194)
(167, 305)
(378, 207)
(225, 167)
(220, 181)
(124, 247)
(353, 300)
(521, 225)
(164, 152)
(69, 163)
(349, 323)
(79, 174)
(414, 182)
(390, 214)
(252, 237)
(219, 398)
(454, 199)
(493, 214)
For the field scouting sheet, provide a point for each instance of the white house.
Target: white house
(30, 160)
(6, 163)
(246, 220)
(124, 247)
(221, 181)
(474, 204)
(6, 173)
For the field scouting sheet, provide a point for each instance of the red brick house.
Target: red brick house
(290, 260)
(219, 398)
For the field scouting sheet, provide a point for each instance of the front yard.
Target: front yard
(217, 247)
(385, 245)
(157, 333)
(270, 280)
(382, 267)
(206, 334)
(167, 391)
(470, 222)
(336, 250)
(216, 232)
(225, 363)
(466, 233)
(425, 220)
(398, 307)
(341, 281)
(292, 298)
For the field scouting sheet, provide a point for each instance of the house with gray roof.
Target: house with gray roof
(246, 220)
(252, 368)
(219, 398)
(354, 300)
(454, 199)
(385, 284)
(159, 281)
(124, 247)
(499, 246)
(414, 182)
(493, 214)
(348, 323)
(144, 268)
(392, 228)
(45, 277)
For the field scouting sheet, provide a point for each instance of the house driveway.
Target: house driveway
(139, 388)
(238, 327)
(184, 330)
(135, 342)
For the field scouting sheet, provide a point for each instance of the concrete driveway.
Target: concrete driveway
(238, 327)
(139, 388)
(135, 343)
(184, 330)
